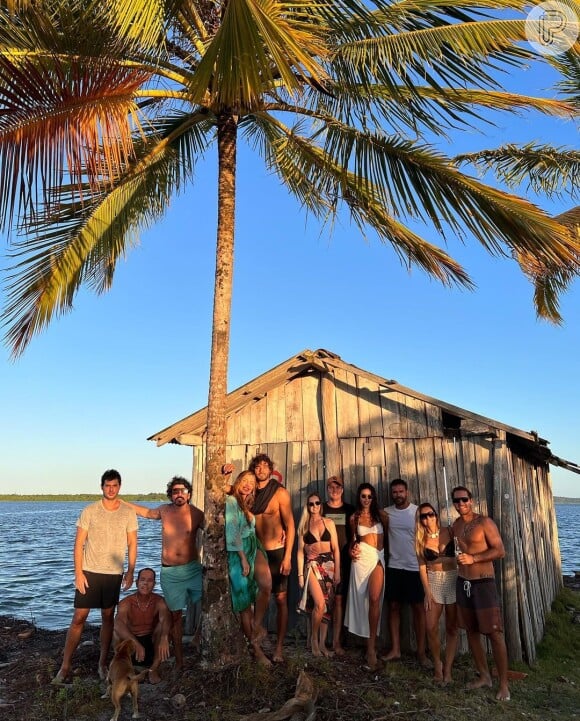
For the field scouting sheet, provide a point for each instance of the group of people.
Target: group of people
(106, 535)
(343, 574)
(343, 571)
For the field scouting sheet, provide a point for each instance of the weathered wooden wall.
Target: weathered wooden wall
(321, 424)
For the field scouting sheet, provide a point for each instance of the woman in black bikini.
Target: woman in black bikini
(318, 569)
(435, 550)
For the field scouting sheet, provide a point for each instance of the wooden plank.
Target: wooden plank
(346, 405)
(281, 430)
(311, 410)
(293, 397)
(349, 467)
(392, 467)
(271, 401)
(408, 465)
(198, 477)
(332, 458)
(233, 429)
(369, 407)
(294, 476)
(426, 480)
(394, 414)
(258, 421)
(277, 453)
(506, 570)
(245, 435)
(434, 420)
(316, 467)
(416, 417)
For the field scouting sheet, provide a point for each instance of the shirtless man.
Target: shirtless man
(144, 617)
(180, 567)
(479, 545)
(276, 531)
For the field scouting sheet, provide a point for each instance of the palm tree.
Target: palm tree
(105, 108)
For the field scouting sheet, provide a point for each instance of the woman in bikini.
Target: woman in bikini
(318, 569)
(367, 578)
(435, 550)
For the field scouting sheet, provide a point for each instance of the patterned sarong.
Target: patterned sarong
(322, 569)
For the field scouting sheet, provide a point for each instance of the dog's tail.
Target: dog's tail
(139, 676)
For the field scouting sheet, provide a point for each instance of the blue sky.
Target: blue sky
(91, 389)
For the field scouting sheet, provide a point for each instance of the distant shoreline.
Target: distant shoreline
(83, 497)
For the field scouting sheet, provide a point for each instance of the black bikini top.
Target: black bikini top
(309, 537)
(448, 551)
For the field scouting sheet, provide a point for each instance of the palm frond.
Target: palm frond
(543, 168)
(462, 53)
(322, 185)
(82, 242)
(269, 41)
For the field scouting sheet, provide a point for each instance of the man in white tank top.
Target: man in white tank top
(403, 584)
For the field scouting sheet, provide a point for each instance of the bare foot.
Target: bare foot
(438, 675)
(339, 650)
(425, 662)
(372, 663)
(154, 677)
(278, 656)
(327, 652)
(447, 680)
(480, 682)
(392, 656)
(102, 671)
(260, 656)
(61, 678)
(503, 694)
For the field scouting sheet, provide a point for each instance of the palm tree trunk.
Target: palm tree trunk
(221, 638)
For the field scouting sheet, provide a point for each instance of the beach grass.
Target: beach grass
(400, 691)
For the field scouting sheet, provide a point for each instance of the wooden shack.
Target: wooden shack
(316, 416)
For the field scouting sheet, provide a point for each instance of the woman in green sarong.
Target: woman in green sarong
(244, 552)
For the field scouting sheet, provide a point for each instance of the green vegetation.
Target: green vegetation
(550, 691)
(566, 501)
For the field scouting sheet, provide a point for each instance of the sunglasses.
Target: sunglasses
(365, 497)
(461, 499)
(313, 503)
(179, 491)
(423, 516)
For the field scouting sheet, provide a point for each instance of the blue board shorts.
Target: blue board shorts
(181, 584)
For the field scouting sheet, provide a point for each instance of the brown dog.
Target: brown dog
(122, 679)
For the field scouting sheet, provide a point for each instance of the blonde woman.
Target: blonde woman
(246, 559)
(438, 571)
(318, 569)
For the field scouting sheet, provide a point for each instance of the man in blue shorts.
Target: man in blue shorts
(106, 532)
(181, 572)
(403, 584)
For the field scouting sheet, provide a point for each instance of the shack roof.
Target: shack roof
(191, 429)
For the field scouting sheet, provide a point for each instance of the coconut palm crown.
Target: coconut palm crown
(105, 108)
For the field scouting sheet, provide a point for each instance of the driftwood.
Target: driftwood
(302, 706)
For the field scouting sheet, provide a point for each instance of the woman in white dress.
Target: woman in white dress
(367, 578)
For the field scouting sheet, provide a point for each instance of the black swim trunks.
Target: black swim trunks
(103, 591)
(279, 581)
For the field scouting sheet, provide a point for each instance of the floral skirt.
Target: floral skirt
(320, 568)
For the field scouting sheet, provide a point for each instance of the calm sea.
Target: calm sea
(36, 569)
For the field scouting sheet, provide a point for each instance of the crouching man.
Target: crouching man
(145, 618)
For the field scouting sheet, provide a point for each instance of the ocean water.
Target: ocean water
(36, 566)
